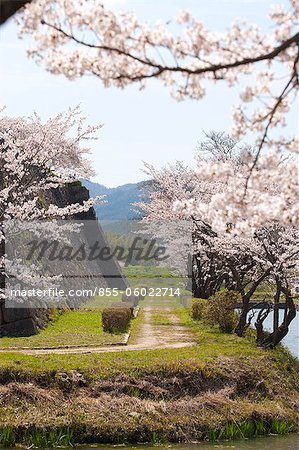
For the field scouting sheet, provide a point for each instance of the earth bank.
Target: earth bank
(144, 396)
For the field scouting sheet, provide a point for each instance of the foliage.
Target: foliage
(220, 310)
(35, 437)
(249, 429)
(39, 438)
(125, 304)
(198, 306)
(240, 256)
(49, 159)
(7, 437)
(235, 193)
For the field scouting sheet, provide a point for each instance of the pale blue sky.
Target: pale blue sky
(138, 126)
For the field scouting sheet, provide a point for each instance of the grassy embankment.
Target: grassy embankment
(223, 387)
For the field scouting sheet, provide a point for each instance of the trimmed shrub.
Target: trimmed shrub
(220, 310)
(116, 320)
(198, 305)
(124, 305)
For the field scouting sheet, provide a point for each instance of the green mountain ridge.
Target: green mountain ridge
(119, 200)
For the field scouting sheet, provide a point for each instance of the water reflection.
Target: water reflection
(290, 442)
(291, 341)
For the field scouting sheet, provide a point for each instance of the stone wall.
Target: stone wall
(21, 321)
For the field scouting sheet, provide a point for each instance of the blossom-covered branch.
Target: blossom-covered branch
(36, 157)
(75, 37)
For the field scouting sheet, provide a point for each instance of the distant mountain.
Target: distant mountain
(119, 206)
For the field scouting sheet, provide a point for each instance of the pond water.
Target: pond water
(290, 442)
(291, 341)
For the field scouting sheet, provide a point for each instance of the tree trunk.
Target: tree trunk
(276, 305)
(242, 325)
(259, 325)
(273, 339)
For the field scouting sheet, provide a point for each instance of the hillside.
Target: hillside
(119, 201)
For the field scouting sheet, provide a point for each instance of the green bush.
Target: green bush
(116, 320)
(220, 310)
(198, 306)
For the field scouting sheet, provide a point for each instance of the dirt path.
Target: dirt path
(170, 333)
(166, 332)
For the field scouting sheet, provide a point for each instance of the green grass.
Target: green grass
(65, 437)
(148, 272)
(162, 303)
(211, 345)
(7, 437)
(37, 438)
(82, 327)
(161, 318)
(249, 429)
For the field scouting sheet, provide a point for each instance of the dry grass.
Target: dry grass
(177, 406)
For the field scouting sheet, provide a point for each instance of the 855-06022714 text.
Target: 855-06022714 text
(97, 291)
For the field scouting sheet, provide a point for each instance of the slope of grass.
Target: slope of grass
(224, 387)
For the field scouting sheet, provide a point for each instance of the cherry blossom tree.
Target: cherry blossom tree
(35, 159)
(280, 249)
(250, 256)
(231, 199)
(251, 196)
(183, 232)
(270, 257)
(161, 221)
(225, 256)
